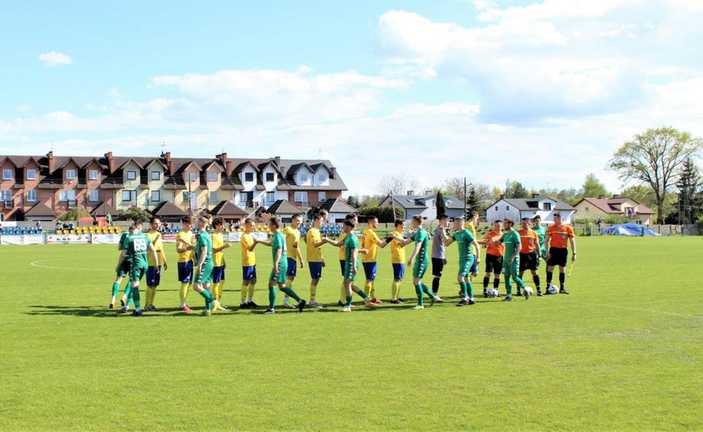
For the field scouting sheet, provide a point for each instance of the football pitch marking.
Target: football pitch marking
(38, 264)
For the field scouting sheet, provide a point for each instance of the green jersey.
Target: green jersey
(464, 240)
(122, 244)
(278, 242)
(421, 237)
(137, 250)
(511, 240)
(203, 240)
(541, 232)
(350, 243)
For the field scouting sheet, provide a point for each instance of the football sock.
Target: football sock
(183, 293)
(486, 281)
(426, 290)
(348, 300)
(372, 289)
(367, 288)
(550, 275)
(150, 292)
(290, 293)
(272, 297)
(535, 279)
(395, 291)
(208, 298)
(115, 289)
(496, 283)
(418, 292)
(508, 285)
(464, 289)
(435, 285)
(360, 293)
(343, 294)
(243, 293)
(250, 294)
(313, 292)
(135, 297)
(470, 289)
(562, 279)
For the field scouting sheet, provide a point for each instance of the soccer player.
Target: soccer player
(184, 247)
(538, 228)
(494, 257)
(397, 260)
(511, 259)
(138, 246)
(342, 255)
(218, 258)
(153, 273)
(529, 253)
(204, 266)
(248, 244)
(439, 257)
(280, 267)
(559, 238)
(370, 244)
(122, 269)
(295, 254)
(314, 242)
(351, 267)
(472, 224)
(419, 261)
(468, 250)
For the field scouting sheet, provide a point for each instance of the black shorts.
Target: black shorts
(437, 266)
(529, 261)
(558, 257)
(494, 264)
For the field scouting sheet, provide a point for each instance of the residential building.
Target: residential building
(424, 205)
(518, 208)
(595, 209)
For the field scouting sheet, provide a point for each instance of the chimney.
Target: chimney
(166, 156)
(277, 160)
(50, 161)
(110, 162)
(229, 167)
(333, 172)
(222, 157)
(171, 166)
(535, 195)
(411, 193)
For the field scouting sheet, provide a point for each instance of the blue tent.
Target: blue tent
(629, 229)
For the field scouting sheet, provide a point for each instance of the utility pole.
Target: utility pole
(466, 212)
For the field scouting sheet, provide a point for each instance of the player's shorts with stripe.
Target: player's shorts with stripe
(248, 273)
(465, 266)
(494, 264)
(349, 273)
(153, 276)
(204, 277)
(420, 269)
(218, 274)
(315, 270)
(136, 273)
(529, 261)
(282, 272)
(438, 266)
(474, 267)
(124, 269)
(343, 266)
(557, 257)
(370, 270)
(511, 269)
(398, 271)
(185, 271)
(292, 268)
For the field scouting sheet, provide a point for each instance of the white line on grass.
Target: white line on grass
(38, 264)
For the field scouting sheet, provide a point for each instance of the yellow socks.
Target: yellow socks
(396, 290)
(244, 292)
(150, 296)
(250, 293)
(313, 292)
(183, 292)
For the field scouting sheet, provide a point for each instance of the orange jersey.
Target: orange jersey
(529, 241)
(559, 235)
(494, 249)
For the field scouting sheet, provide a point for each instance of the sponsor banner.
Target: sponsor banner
(237, 236)
(168, 238)
(106, 238)
(25, 239)
(68, 238)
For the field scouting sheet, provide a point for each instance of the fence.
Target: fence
(663, 230)
(113, 239)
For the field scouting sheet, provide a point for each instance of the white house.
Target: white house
(424, 205)
(518, 208)
(337, 209)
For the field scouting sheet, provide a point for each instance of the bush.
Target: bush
(384, 214)
(74, 215)
(699, 224)
(135, 214)
(614, 219)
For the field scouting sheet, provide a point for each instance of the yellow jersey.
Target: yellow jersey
(370, 243)
(218, 241)
(342, 250)
(248, 256)
(292, 241)
(187, 238)
(313, 236)
(397, 250)
(155, 239)
(471, 227)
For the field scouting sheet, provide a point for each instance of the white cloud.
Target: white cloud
(55, 58)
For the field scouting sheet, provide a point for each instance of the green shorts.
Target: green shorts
(349, 273)
(465, 266)
(204, 277)
(511, 270)
(281, 277)
(420, 269)
(136, 273)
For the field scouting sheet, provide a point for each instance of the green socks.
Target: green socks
(272, 297)
(420, 297)
(469, 289)
(349, 300)
(115, 289)
(208, 298)
(290, 293)
(464, 289)
(134, 292)
(361, 293)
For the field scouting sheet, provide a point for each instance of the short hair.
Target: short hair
(497, 221)
(399, 222)
(275, 222)
(204, 219)
(536, 218)
(417, 219)
(248, 220)
(349, 223)
(218, 221)
(137, 222)
(459, 219)
(371, 217)
(557, 215)
(526, 218)
(442, 217)
(350, 216)
(317, 216)
(153, 219)
(508, 220)
(300, 215)
(472, 214)
(323, 212)
(187, 220)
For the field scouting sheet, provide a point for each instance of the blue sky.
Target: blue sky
(441, 88)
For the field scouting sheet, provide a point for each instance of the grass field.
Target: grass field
(622, 352)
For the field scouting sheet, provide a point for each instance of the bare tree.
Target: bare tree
(397, 184)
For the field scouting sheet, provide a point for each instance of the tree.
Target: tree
(384, 214)
(135, 214)
(593, 188)
(455, 187)
(655, 158)
(472, 201)
(440, 204)
(397, 184)
(515, 189)
(687, 207)
(353, 201)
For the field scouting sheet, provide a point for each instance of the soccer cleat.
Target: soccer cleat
(508, 298)
(485, 293)
(462, 302)
(539, 293)
(269, 311)
(122, 303)
(563, 291)
(376, 301)
(419, 307)
(301, 305)
(396, 302)
(438, 299)
(400, 299)
(252, 305)
(122, 310)
(207, 312)
(518, 293)
(185, 309)
(471, 302)
(315, 304)
(137, 313)
(346, 309)
(243, 305)
(370, 304)
(111, 306)
(527, 295)
(341, 304)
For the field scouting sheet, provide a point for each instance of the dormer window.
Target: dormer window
(270, 177)
(547, 206)
(192, 176)
(31, 174)
(212, 176)
(304, 177)
(92, 174)
(155, 175)
(131, 175)
(249, 177)
(7, 174)
(70, 174)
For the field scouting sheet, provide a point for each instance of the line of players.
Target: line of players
(201, 263)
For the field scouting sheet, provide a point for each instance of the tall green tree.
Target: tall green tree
(688, 186)
(593, 188)
(515, 189)
(655, 158)
(472, 201)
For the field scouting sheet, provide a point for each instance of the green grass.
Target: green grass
(622, 352)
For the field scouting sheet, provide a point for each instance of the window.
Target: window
(155, 175)
(93, 195)
(32, 195)
(322, 196)
(270, 177)
(301, 197)
(303, 177)
(322, 177)
(128, 195)
(187, 196)
(496, 208)
(6, 197)
(131, 175)
(155, 196)
(547, 206)
(507, 208)
(7, 174)
(212, 176)
(68, 195)
(92, 174)
(31, 174)
(192, 176)
(270, 198)
(214, 197)
(249, 177)
(70, 174)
